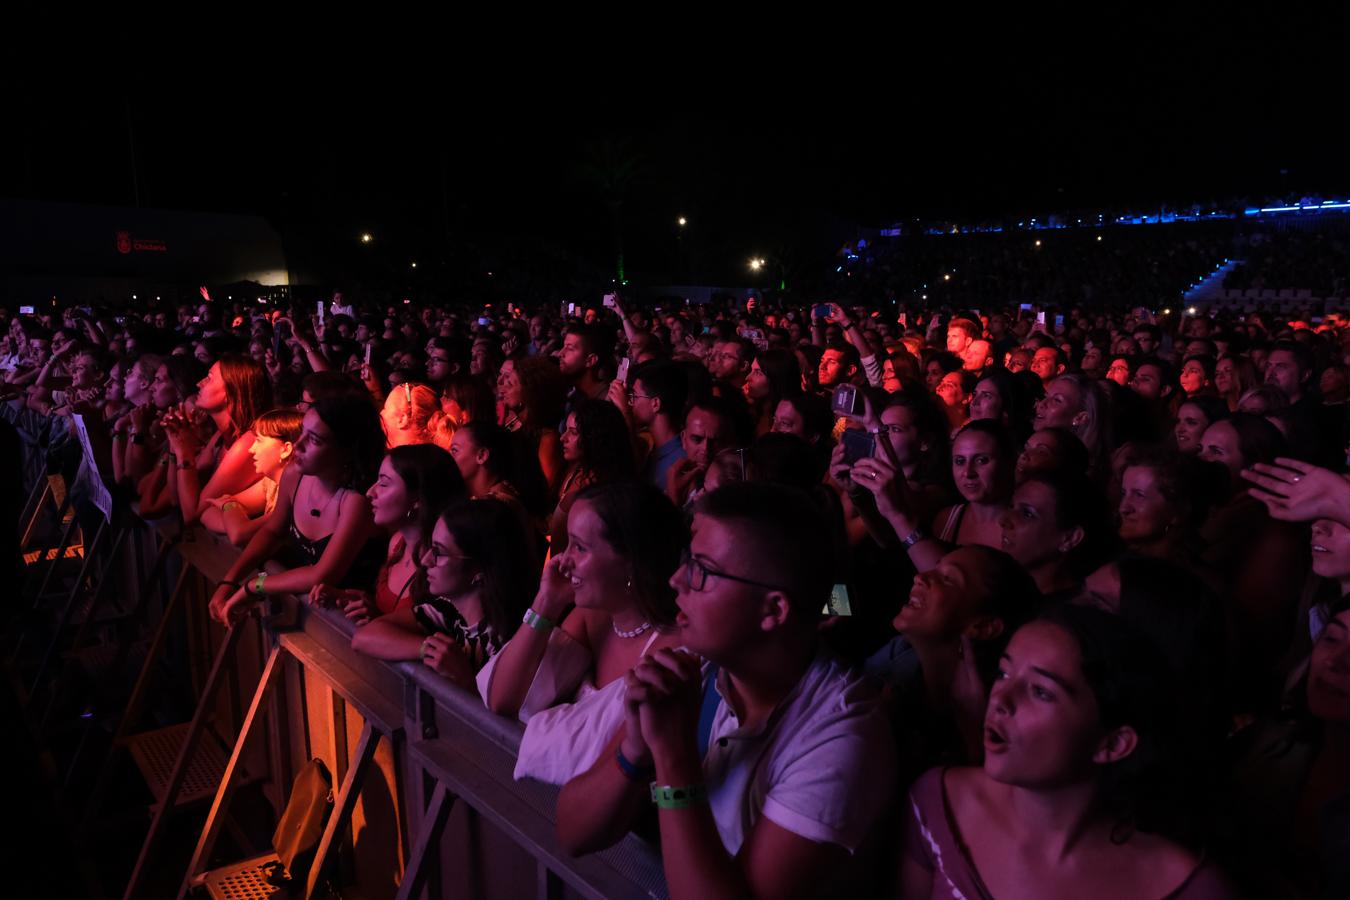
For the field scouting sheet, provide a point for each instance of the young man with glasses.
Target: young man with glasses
(768, 765)
(729, 362)
(657, 400)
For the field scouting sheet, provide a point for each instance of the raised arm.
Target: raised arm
(519, 660)
(396, 636)
(354, 528)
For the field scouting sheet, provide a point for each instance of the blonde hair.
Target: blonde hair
(426, 418)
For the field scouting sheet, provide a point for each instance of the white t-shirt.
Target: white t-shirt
(823, 766)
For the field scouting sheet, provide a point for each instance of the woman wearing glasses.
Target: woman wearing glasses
(414, 485)
(625, 543)
(480, 575)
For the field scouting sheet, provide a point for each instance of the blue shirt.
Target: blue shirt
(660, 460)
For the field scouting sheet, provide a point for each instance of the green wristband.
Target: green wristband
(258, 584)
(667, 796)
(538, 622)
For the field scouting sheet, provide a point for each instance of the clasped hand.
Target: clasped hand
(661, 705)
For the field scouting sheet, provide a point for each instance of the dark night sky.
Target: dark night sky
(757, 153)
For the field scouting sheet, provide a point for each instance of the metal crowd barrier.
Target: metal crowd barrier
(464, 826)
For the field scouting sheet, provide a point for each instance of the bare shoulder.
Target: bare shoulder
(968, 786)
(589, 626)
(977, 802)
(1166, 865)
(244, 443)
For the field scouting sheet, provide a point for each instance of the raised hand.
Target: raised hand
(555, 591)
(1295, 491)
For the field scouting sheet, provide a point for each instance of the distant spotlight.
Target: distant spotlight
(1191, 311)
(683, 221)
(366, 238)
(1167, 312)
(946, 278)
(414, 265)
(756, 264)
(1038, 243)
(133, 296)
(1099, 237)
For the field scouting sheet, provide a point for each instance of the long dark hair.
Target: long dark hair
(543, 391)
(356, 428)
(473, 395)
(513, 459)
(248, 392)
(784, 373)
(431, 477)
(494, 535)
(650, 534)
(1151, 788)
(606, 449)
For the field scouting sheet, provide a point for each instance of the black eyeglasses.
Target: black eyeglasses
(696, 575)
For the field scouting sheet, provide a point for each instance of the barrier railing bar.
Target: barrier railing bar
(465, 752)
(592, 876)
(344, 682)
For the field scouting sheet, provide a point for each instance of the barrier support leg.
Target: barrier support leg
(345, 803)
(72, 602)
(423, 851)
(224, 657)
(131, 713)
(215, 819)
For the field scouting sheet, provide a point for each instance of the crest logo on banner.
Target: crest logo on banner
(124, 242)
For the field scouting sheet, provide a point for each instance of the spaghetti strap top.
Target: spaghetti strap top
(386, 600)
(305, 551)
(952, 527)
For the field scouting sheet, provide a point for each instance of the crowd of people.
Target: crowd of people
(1129, 265)
(960, 602)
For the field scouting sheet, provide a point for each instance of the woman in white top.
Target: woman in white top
(625, 542)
